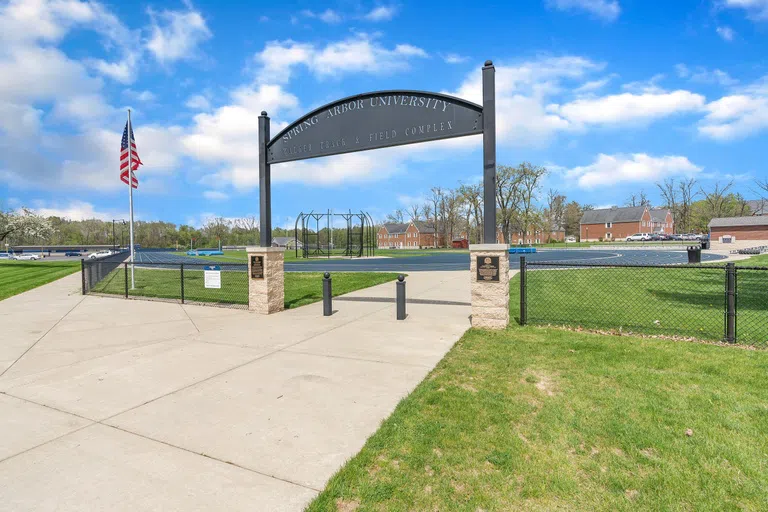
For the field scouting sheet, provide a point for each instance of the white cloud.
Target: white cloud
(215, 195)
(198, 102)
(593, 85)
(757, 9)
(176, 35)
(635, 168)
(77, 210)
(143, 96)
(359, 53)
(628, 108)
(381, 13)
(329, 16)
(454, 58)
(607, 10)
(726, 33)
(735, 116)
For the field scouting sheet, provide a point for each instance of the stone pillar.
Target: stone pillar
(266, 279)
(489, 277)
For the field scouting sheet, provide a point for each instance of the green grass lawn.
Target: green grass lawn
(671, 301)
(759, 260)
(20, 276)
(300, 287)
(544, 419)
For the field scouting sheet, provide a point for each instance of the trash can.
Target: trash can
(694, 254)
(705, 244)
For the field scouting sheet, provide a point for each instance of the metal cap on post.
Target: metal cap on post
(400, 288)
(327, 295)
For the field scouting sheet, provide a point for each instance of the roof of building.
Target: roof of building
(727, 222)
(395, 228)
(614, 214)
(282, 240)
(423, 227)
(658, 214)
(758, 206)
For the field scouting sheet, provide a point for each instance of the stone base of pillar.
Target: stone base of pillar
(266, 279)
(490, 287)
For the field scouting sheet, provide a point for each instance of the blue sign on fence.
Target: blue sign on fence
(212, 276)
(212, 267)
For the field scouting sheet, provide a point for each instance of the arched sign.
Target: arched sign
(377, 120)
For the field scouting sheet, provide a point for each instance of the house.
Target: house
(462, 241)
(618, 223)
(535, 235)
(408, 235)
(758, 206)
(738, 232)
(288, 242)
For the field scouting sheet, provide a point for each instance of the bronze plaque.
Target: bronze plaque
(488, 269)
(257, 267)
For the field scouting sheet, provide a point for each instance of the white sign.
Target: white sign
(212, 276)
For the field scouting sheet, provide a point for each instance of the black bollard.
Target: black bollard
(400, 286)
(327, 301)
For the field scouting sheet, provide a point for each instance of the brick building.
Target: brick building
(536, 235)
(618, 223)
(738, 232)
(407, 235)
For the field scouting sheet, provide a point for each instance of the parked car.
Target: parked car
(664, 237)
(655, 237)
(570, 239)
(99, 254)
(4, 256)
(639, 237)
(73, 253)
(676, 237)
(25, 257)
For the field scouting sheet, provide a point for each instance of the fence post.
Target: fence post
(400, 286)
(82, 272)
(327, 295)
(125, 273)
(730, 302)
(523, 293)
(182, 282)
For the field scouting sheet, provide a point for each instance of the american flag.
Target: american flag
(135, 160)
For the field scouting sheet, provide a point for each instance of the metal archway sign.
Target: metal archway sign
(378, 120)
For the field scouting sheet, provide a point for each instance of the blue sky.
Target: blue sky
(610, 95)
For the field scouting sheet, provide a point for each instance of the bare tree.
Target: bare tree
(555, 210)
(640, 199)
(396, 217)
(414, 212)
(473, 197)
(687, 195)
(530, 183)
(715, 200)
(508, 198)
(436, 202)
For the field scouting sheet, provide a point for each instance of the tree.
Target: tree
(555, 210)
(572, 218)
(25, 226)
(507, 199)
(414, 212)
(530, 183)
(437, 203)
(472, 196)
(396, 217)
(715, 200)
(638, 200)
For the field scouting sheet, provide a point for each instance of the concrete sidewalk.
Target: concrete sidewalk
(108, 404)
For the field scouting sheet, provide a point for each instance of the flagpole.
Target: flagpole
(130, 192)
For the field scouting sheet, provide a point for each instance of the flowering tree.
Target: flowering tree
(24, 224)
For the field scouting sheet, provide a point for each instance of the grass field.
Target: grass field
(671, 301)
(537, 419)
(300, 287)
(20, 276)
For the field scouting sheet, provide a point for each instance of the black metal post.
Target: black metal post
(114, 245)
(400, 287)
(523, 292)
(489, 153)
(125, 273)
(82, 272)
(730, 302)
(265, 192)
(182, 282)
(327, 295)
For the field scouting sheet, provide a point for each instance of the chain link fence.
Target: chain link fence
(217, 284)
(725, 303)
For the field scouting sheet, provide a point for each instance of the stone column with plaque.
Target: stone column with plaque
(489, 269)
(266, 279)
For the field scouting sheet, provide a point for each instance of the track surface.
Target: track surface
(445, 260)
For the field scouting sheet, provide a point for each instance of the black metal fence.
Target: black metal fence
(213, 284)
(723, 302)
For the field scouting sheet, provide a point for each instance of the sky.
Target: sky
(611, 96)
